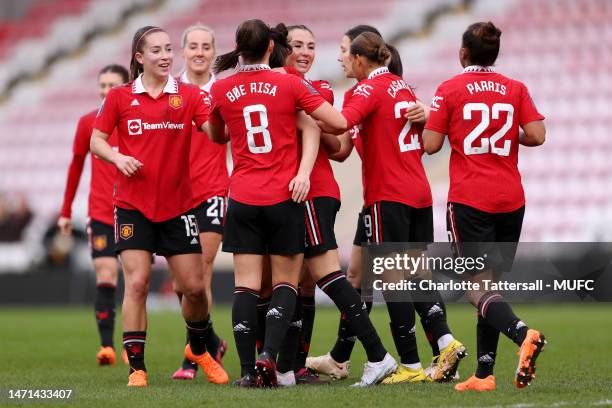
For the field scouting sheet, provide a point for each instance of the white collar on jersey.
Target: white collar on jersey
(479, 68)
(171, 86)
(206, 87)
(254, 67)
(378, 71)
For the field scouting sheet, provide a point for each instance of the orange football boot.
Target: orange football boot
(106, 356)
(214, 372)
(530, 350)
(477, 384)
(137, 379)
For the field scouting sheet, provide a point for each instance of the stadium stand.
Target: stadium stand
(568, 181)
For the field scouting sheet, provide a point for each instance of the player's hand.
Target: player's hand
(127, 165)
(65, 225)
(299, 186)
(417, 113)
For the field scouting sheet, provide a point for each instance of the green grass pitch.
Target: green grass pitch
(56, 347)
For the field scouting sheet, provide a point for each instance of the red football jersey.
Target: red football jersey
(208, 161)
(259, 107)
(102, 174)
(157, 132)
(481, 111)
(322, 180)
(391, 144)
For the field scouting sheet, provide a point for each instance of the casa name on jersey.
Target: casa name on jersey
(136, 126)
(397, 86)
(253, 87)
(486, 86)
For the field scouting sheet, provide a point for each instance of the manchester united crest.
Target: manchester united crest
(175, 101)
(99, 242)
(126, 231)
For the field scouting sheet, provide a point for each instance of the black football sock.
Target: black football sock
(104, 307)
(198, 333)
(403, 331)
(279, 316)
(345, 342)
(290, 344)
(486, 346)
(212, 342)
(354, 310)
(244, 322)
(134, 345)
(433, 319)
(262, 309)
(308, 317)
(498, 313)
(187, 364)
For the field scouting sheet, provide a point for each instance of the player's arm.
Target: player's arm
(300, 185)
(75, 170)
(100, 147)
(217, 131)
(533, 134)
(346, 147)
(432, 141)
(329, 119)
(330, 143)
(80, 149)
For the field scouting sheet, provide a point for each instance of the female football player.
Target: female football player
(336, 362)
(392, 213)
(265, 215)
(153, 200)
(209, 175)
(481, 111)
(100, 227)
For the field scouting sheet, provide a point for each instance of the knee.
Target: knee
(137, 289)
(353, 275)
(194, 291)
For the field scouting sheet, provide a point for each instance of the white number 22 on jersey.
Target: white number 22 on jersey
(414, 139)
(484, 124)
(253, 130)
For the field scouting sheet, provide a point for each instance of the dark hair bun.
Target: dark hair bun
(489, 33)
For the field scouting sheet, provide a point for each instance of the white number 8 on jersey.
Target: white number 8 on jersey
(262, 128)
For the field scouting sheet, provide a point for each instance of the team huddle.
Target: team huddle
(160, 185)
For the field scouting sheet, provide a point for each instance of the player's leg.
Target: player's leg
(264, 303)
(431, 307)
(244, 236)
(290, 347)
(501, 316)
(178, 241)
(304, 375)
(388, 223)
(469, 229)
(210, 239)
(102, 243)
(106, 284)
(283, 226)
(135, 244)
(137, 271)
(336, 363)
(248, 271)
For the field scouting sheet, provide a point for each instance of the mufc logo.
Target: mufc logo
(99, 242)
(126, 231)
(175, 101)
